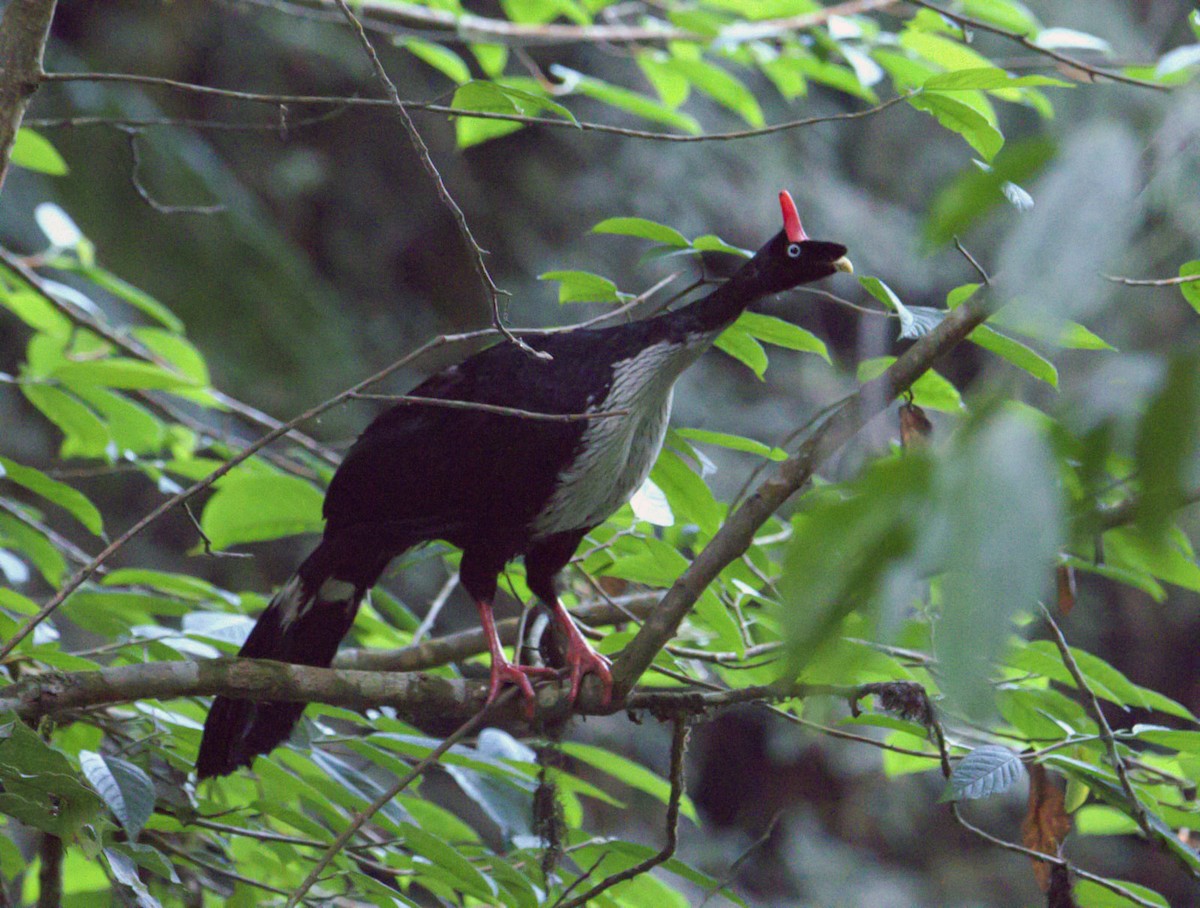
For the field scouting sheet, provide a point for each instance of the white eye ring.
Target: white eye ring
(793, 251)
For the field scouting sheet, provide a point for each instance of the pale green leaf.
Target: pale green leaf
(33, 151)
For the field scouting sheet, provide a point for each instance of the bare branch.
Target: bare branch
(24, 29)
(414, 137)
(678, 748)
(1153, 282)
(1092, 704)
(1051, 859)
(135, 177)
(347, 102)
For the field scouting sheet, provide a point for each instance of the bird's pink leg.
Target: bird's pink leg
(503, 671)
(581, 658)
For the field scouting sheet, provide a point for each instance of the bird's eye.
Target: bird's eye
(793, 251)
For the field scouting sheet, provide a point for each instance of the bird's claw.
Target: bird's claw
(505, 672)
(584, 660)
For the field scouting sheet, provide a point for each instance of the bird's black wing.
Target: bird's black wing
(436, 472)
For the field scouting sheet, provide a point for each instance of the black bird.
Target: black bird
(499, 485)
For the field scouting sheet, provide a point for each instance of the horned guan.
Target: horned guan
(498, 485)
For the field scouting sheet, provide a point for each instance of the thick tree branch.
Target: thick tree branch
(736, 535)
(23, 32)
(417, 697)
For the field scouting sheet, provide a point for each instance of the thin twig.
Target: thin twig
(724, 882)
(1153, 282)
(1051, 859)
(414, 137)
(417, 400)
(578, 125)
(983, 275)
(1092, 704)
(392, 791)
(679, 738)
(1026, 42)
(135, 177)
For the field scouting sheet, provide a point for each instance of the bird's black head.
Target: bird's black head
(790, 258)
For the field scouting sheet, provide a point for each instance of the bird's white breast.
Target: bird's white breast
(615, 454)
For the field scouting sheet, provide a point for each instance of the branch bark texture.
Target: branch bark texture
(23, 33)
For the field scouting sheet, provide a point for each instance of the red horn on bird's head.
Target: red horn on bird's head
(791, 219)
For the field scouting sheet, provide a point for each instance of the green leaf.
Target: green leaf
(583, 287)
(34, 545)
(963, 119)
(640, 227)
(1015, 352)
(444, 60)
(672, 87)
(61, 494)
(1126, 547)
(737, 342)
(931, 390)
(125, 787)
(781, 333)
(124, 291)
(687, 494)
(448, 858)
(33, 151)
(656, 564)
(722, 87)
(121, 372)
(1010, 15)
(997, 537)
(986, 77)
(712, 243)
(1166, 446)
(38, 785)
(494, 97)
(1191, 289)
(985, 771)
(632, 774)
(887, 296)
(624, 99)
(257, 507)
(1093, 895)
(1075, 336)
(31, 307)
(975, 191)
(177, 351)
(84, 434)
(733, 443)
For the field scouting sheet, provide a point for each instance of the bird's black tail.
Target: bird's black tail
(303, 624)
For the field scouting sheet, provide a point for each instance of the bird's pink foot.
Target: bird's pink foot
(505, 672)
(584, 660)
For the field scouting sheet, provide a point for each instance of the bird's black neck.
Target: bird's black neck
(720, 308)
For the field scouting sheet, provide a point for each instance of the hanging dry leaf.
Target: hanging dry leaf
(1046, 822)
(915, 427)
(1066, 589)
